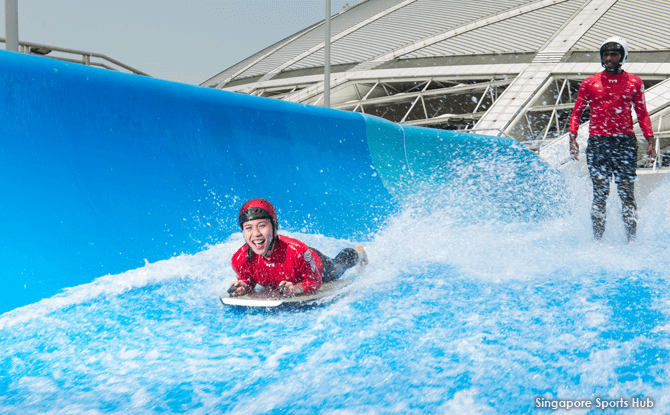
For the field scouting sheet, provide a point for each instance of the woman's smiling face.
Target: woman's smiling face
(258, 234)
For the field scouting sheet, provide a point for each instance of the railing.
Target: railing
(85, 57)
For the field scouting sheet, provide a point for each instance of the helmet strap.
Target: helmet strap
(272, 244)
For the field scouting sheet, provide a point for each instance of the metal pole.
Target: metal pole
(326, 65)
(12, 25)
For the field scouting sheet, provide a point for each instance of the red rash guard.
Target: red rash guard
(291, 261)
(610, 98)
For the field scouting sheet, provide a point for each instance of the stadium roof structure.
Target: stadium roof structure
(496, 67)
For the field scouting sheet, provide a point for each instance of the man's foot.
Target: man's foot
(362, 256)
(598, 227)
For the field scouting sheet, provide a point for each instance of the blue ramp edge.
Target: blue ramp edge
(102, 171)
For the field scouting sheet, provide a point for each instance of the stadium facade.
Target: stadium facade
(497, 67)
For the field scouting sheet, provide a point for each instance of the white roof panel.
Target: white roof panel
(645, 24)
(416, 21)
(523, 33)
(374, 31)
(358, 13)
(222, 76)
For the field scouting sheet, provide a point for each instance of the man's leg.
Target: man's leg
(601, 190)
(624, 176)
(626, 190)
(598, 160)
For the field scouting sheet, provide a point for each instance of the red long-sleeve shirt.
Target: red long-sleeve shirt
(610, 98)
(291, 261)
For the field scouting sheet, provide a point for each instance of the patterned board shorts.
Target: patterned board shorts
(608, 155)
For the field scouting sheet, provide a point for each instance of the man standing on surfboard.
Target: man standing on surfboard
(612, 147)
(279, 262)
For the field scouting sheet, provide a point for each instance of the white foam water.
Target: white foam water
(450, 316)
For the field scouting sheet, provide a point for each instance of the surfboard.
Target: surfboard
(272, 298)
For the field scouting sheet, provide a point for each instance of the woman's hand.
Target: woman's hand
(238, 288)
(288, 289)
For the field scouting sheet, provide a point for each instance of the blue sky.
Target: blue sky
(186, 41)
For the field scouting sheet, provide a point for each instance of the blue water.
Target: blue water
(452, 316)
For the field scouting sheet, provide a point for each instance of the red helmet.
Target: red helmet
(258, 209)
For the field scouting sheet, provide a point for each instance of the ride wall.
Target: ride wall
(102, 172)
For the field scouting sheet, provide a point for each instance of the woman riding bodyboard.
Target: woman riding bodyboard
(280, 262)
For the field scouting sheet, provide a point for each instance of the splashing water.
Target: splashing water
(451, 316)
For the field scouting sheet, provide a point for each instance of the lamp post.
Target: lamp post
(11, 25)
(326, 65)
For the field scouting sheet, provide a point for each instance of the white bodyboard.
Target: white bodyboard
(272, 298)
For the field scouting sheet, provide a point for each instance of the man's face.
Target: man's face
(611, 60)
(258, 234)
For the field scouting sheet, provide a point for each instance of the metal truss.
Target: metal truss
(547, 115)
(453, 103)
(279, 92)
